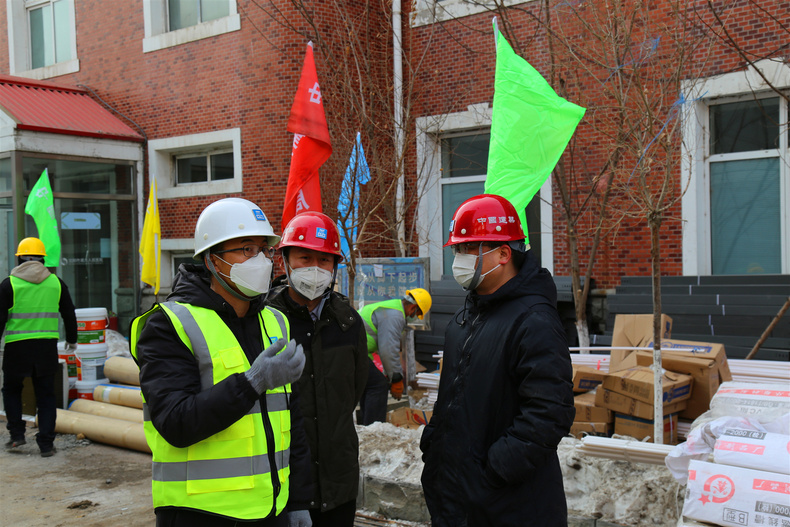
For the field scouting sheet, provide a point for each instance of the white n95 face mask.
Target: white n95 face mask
(252, 276)
(310, 282)
(466, 270)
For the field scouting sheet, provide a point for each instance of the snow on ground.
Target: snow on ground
(615, 491)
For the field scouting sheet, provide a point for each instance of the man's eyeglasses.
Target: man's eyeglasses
(251, 251)
(467, 248)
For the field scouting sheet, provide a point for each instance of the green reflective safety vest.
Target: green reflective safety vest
(34, 314)
(367, 316)
(235, 472)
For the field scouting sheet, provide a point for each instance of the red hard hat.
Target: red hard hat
(485, 218)
(312, 230)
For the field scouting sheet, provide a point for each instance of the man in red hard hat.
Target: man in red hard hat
(505, 394)
(333, 337)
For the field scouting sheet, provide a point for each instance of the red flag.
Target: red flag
(311, 146)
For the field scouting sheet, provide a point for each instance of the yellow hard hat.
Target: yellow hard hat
(423, 300)
(31, 247)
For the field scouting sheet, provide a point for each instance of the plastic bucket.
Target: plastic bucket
(92, 323)
(91, 359)
(85, 388)
(70, 358)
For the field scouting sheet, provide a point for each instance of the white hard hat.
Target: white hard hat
(231, 218)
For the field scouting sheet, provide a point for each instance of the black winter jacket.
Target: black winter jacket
(505, 402)
(170, 379)
(332, 383)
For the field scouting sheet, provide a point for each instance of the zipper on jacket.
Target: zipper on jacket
(269, 430)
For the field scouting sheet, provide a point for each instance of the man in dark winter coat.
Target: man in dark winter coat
(336, 370)
(216, 365)
(505, 395)
(30, 300)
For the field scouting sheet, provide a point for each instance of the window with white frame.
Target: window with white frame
(745, 174)
(185, 13)
(198, 164)
(453, 151)
(173, 22)
(432, 11)
(736, 208)
(42, 38)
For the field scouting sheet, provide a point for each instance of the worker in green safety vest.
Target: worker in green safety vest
(216, 368)
(30, 300)
(384, 323)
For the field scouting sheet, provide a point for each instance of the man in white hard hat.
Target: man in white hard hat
(216, 368)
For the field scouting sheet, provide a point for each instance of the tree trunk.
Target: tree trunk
(654, 219)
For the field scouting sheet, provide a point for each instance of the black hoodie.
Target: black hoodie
(170, 380)
(505, 402)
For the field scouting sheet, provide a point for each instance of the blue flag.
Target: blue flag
(357, 173)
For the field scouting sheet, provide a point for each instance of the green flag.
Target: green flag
(530, 128)
(41, 206)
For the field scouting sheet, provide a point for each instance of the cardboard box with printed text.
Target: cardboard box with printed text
(586, 378)
(628, 425)
(706, 350)
(633, 331)
(623, 404)
(587, 410)
(638, 384)
(704, 371)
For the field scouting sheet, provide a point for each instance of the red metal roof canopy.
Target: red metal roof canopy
(42, 106)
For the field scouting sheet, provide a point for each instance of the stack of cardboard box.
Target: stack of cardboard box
(705, 362)
(629, 393)
(591, 419)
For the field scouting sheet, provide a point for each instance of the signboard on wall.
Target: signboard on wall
(379, 279)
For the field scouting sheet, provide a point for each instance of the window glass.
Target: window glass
(62, 31)
(213, 9)
(79, 176)
(452, 197)
(99, 252)
(222, 166)
(182, 13)
(7, 238)
(745, 126)
(465, 155)
(192, 170)
(745, 217)
(41, 36)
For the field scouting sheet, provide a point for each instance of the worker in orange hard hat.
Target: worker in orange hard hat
(30, 300)
(505, 394)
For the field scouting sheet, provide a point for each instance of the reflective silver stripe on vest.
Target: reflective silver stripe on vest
(33, 315)
(213, 468)
(281, 321)
(31, 331)
(198, 340)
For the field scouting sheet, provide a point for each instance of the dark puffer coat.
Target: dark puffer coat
(505, 402)
(331, 385)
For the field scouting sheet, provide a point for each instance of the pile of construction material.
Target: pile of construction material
(736, 461)
(112, 413)
(623, 384)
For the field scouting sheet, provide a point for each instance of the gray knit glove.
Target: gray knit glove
(273, 369)
(299, 519)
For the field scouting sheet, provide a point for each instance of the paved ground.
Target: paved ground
(84, 484)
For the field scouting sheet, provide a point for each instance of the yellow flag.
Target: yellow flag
(150, 241)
